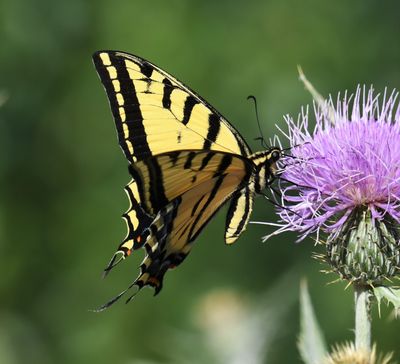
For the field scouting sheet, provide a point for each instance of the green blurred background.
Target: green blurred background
(62, 175)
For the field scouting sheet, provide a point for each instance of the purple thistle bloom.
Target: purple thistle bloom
(344, 173)
(351, 159)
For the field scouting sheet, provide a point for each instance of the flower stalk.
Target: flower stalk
(362, 295)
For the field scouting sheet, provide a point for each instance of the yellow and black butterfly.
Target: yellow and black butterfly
(186, 160)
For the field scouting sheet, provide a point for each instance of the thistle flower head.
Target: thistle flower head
(345, 182)
(348, 354)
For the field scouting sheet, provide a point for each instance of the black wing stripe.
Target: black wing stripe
(225, 163)
(213, 130)
(146, 69)
(196, 205)
(206, 160)
(189, 160)
(144, 221)
(246, 212)
(109, 87)
(131, 106)
(190, 102)
(168, 88)
(167, 216)
(141, 187)
(174, 157)
(212, 195)
(156, 186)
(123, 100)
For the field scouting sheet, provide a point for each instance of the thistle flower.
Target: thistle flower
(348, 354)
(345, 183)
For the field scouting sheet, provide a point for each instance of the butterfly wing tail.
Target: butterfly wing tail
(157, 260)
(137, 222)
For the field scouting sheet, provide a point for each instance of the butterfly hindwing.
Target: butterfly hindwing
(239, 212)
(170, 235)
(177, 225)
(155, 113)
(159, 180)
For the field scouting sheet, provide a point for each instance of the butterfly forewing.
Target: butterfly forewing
(155, 113)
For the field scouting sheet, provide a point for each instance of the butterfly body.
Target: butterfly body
(185, 161)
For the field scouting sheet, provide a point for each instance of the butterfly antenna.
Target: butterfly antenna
(263, 143)
(274, 190)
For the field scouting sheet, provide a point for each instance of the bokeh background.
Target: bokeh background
(62, 174)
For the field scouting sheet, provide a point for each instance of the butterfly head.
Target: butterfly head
(266, 168)
(273, 156)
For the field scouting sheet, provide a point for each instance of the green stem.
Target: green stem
(363, 318)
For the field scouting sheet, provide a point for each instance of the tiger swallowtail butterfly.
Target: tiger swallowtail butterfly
(185, 159)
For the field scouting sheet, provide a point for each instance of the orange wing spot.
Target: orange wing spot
(154, 281)
(139, 239)
(128, 252)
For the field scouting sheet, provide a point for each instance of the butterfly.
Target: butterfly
(186, 161)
